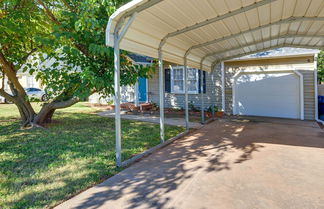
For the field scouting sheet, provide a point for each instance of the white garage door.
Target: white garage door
(267, 94)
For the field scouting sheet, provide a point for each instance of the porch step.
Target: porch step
(146, 106)
(131, 107)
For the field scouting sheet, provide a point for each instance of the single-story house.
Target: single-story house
(273, 85)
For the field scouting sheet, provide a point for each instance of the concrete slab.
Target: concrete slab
(152, 119)
(230, 163)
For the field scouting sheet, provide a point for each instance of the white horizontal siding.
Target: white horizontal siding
(306, 68)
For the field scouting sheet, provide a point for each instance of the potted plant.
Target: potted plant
(217, 112)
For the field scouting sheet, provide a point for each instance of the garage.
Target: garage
(271, 86)
(272, 94)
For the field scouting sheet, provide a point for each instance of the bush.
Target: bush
(210, 108)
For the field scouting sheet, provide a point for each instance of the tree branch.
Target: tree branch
(24, 58)
(66, 3)
(49, 13)
(52, 17)
(2, 89)
(67, 103)
(3, 61)
(64, 104)
(6, 95)
(9, 70)
(13, 89)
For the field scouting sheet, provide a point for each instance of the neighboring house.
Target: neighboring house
(29, 81)
(26, 80)
(277, 83)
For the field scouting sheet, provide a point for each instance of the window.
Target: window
(192, 80)
(177, 80)
(30, 81)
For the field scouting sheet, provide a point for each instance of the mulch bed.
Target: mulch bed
(150, 109)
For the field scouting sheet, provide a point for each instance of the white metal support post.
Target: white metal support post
(185, 86)
(223, 85)
(316, 87)
(117, 100)
(136, 95)
(161, 91)
(202, 94)
(118, 35)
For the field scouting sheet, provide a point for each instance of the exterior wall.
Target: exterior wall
(304, 65)
(172, 100)
(213, 95)
(127, 95)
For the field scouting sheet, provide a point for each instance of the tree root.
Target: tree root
(30, 126)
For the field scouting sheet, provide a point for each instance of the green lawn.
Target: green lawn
(39, 168)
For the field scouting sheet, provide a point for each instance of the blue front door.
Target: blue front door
(142, 89)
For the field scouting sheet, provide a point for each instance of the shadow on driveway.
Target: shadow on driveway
(230, 163)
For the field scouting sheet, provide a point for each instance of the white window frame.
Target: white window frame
(172, 80)
(197, 82)
(183, 91)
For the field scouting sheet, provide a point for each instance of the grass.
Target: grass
(40, 168)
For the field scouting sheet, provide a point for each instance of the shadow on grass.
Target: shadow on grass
(39, 167)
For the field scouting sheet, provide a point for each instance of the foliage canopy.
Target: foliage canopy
(63, 42)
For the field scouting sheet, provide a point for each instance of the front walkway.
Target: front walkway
(232, 163)
(152, 119)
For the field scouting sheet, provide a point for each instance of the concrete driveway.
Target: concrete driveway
(231, 163)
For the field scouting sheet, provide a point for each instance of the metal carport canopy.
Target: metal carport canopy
(200, 33)
(208, 31)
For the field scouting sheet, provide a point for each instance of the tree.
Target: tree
(320, 67)
(21, 24)
(71, 34)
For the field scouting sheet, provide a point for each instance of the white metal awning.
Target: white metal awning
(200, 33)
(209, 31)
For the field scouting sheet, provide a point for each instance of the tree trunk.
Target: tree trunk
(20, 99)
(27, 113)
(45, 115)
(28, 116)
